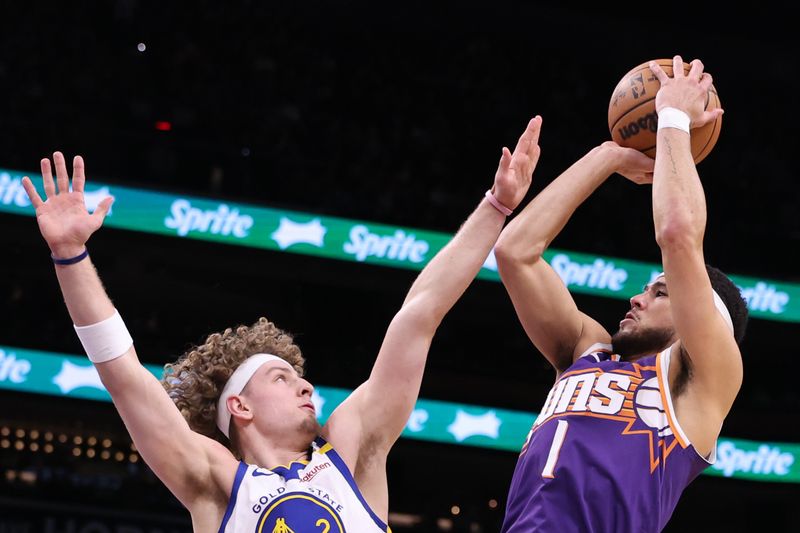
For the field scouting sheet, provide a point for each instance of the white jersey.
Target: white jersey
(316, 496)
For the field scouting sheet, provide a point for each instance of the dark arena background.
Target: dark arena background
(390, 116)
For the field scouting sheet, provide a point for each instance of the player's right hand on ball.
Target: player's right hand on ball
(687, 93)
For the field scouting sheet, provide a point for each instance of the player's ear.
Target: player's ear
(239, 407)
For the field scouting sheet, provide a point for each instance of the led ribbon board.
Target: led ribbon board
(365, 242)
(469, 425)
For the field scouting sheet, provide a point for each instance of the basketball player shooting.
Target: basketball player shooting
(242, 394)
(632, 418)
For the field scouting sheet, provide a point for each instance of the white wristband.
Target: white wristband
(105, 340)
(670, 117)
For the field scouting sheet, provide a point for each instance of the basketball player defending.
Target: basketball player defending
(293, 474)
(631, 419)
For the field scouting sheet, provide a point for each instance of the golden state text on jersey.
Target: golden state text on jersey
(314, 496)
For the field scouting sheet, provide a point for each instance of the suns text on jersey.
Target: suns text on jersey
(592, 392)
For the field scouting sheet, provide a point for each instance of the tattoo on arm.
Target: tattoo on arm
(671, 157)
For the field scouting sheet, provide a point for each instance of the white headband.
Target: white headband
(236, 384)
(723, 310)
(721, 307)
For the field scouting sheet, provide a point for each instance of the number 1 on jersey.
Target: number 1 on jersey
(555, 448)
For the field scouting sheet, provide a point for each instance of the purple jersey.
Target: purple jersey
(606, 453)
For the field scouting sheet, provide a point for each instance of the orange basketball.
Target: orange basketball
(632, 118)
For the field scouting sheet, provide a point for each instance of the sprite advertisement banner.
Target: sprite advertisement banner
(351, 240)
(470, 425)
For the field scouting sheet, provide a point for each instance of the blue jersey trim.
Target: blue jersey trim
(293, 472)
(342, 468)
(237, 481)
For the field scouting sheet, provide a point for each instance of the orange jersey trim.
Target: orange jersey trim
(662, 388)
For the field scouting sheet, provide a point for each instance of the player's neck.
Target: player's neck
(271, 458)
(646, 353)
(636, 357)
(267, 453)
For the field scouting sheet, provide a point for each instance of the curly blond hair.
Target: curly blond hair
(195, 380)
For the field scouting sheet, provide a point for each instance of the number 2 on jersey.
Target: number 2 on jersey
(555, 448)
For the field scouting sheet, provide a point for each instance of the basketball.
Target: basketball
(632, 118)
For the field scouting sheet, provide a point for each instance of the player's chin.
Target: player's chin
(310, 425)
(626, 326)
(627, 330)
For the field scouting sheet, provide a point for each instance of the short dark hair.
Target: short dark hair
(732, 298)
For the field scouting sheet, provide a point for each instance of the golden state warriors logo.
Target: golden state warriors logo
(299, 513)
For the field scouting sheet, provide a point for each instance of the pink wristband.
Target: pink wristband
(496, 203)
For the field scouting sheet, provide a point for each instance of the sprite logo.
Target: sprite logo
(765, 460)
(597, 275)
(223, 220)
(12, 192)
(401, 246)
(764, 297)
(13, 369)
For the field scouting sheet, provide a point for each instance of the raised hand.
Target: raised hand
(689, 93)
(63, 220)
(514, 173)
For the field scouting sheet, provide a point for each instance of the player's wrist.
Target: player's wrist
(609, 157)
(673, 117)
(66, 251)
(498, 204)
(105, 340)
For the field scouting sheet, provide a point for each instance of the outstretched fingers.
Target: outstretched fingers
(102, 210)
(30, 189)
(658, 72)
(711, 116)
(62, 175)
(524, 142)
(705, 81)
(78, 174)
(696, 70)
(47, 178)
(677, 67)
(530, 137)
(505, 161)
(527, 151)
(535, 128)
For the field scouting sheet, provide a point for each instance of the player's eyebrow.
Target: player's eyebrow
(655, 284)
